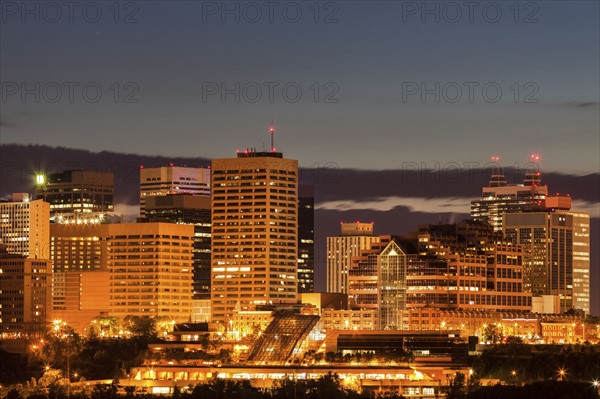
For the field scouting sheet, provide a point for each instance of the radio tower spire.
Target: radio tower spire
(272, 132)
(498, 178)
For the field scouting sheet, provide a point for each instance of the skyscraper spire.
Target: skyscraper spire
(498, 179)
(533, 177)
(272, 132)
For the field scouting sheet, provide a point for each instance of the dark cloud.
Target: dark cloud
(583, 104)
(4, 122)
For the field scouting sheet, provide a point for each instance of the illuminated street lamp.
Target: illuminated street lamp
(561, 374)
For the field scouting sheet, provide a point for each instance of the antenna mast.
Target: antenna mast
(272, 132)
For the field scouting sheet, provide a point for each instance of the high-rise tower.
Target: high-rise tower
(77, 194)
(171, 179)
(354, 238)
(254, 257)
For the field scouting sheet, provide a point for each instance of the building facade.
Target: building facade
(166, 180)
(377, 280)
(149, 266)
(306, 239)
(24, 299)
(581, 260)
(25, 226)
(547, 241)
(500, 197)
(77, 194)
(468, 266)
(254, 255)
(187, 209)
(354, 238)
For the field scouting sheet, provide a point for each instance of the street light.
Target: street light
(561, 374)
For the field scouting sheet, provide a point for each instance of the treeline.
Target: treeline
(544, 389)
(521, 364)
(328, 386)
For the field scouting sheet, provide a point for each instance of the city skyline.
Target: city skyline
(421, 196)
(299, 198)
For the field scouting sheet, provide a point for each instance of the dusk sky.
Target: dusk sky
(362, 85)
(364, 55)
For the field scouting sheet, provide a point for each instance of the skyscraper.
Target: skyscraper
(188, 209)
(25, 226)
(500, 197)
(547, 241)
(581, 260)
(306, 239)
(554, 237)
(254, 256)
(149, 268)
(354, 238)
(172, 180)
(77, 194)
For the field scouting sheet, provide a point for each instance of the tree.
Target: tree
(141, 326)
(457, 389)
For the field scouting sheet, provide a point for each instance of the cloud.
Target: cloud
(4, 122)
(429, 205)
(582, 104)
(129, 212)
(586, 206)
(414, 204)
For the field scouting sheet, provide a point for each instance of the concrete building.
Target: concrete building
(354, 238)
(547, 241)
(254, 233)
(581, 260)
(500, 197)
(172, 180)
(25, 226)
(79, 297)
(149, 268)
(465, 266)
(24, 299)
(77, 194)
(193, 210)
(569, 277)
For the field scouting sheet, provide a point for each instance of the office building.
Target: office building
(24, 299)
(500, 197)
(354, 238)
(254, 257)
(193, 210)
(463, 266)
(149, 267)
(77, 194)
(377, 280)
(468, 266)
(171, 179)
(306, 239)
(581, 260)
(25, 226)
(547, 241)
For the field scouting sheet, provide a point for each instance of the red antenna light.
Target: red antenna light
(495, 158)
(272, 132)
